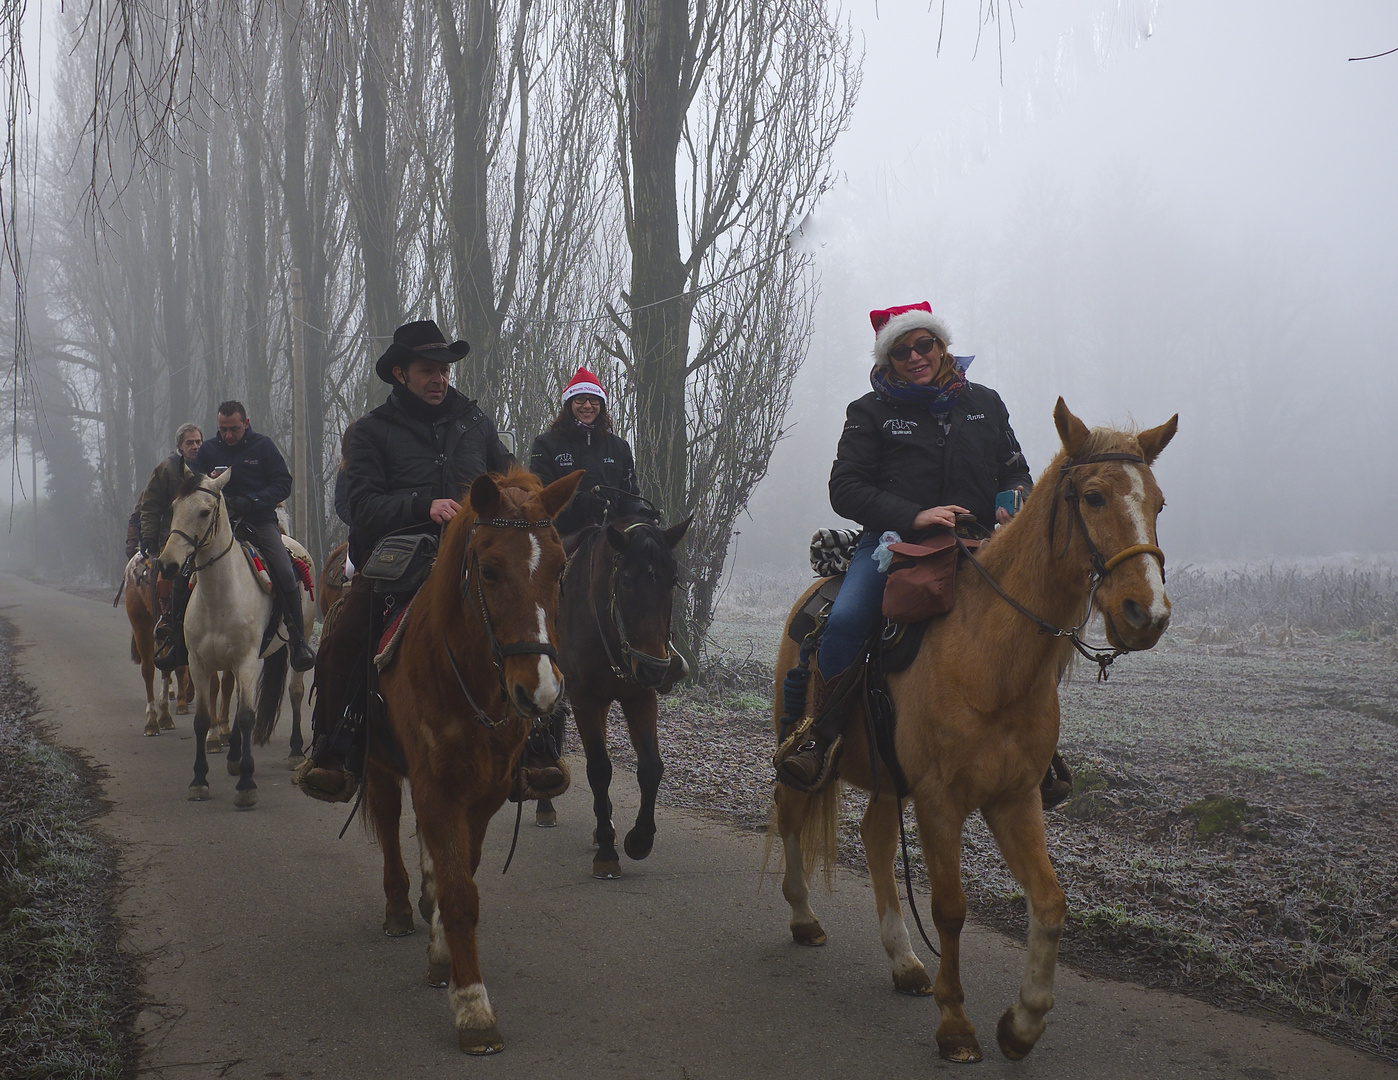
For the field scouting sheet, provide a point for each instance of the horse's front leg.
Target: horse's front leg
(163, 719)
(939, 828)
(1018, 826)
(147, 656)
(545, 816)
(199, 786)
(591, 717)
(245, 798)
(297, 684)
(792, 812)
(184, 690)
(879, 831)
(640, 712)
(443, 829)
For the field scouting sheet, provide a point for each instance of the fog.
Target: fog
(1164, 208)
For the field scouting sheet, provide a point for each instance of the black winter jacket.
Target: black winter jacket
(895, 460)
(260, 477)
(398, 464)
(607, 459)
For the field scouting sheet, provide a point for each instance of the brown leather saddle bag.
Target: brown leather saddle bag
(922, 578)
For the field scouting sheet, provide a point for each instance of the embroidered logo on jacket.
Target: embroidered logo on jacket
(609, 460)
(977, 416)
(564, 459)
(900, 427)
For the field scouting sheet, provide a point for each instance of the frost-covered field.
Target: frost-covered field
(1233, 830)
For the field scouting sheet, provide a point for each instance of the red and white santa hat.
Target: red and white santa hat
(892, 323)
(584, 382)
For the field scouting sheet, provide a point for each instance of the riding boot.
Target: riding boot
(808, 764)
(1057, 784)
(542, 772)
(303, 657)
(331, 772)
(174, 654)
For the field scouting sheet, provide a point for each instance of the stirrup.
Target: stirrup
(521, 790)
(827, 772)
(344, 795)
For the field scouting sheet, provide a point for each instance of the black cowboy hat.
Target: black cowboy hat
(420, 340)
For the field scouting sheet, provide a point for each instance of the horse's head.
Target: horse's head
(642, 594)
(197, 517)
(1106, 503)
(510, 560)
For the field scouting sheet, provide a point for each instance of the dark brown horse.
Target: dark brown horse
(473, 672)
(614, 645)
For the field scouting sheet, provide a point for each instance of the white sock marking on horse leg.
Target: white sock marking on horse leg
(1036, 992)
(535, 554)
(548, 690)
(794, 883)
(1136, 503)
(893, 931)
(470, 1005)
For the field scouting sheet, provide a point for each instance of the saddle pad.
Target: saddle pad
(254, 557)
(388, 644)
(899, 643)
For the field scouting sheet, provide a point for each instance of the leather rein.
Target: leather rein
(190, 567)
(498, 652)
(632, 658)
(1102, 656)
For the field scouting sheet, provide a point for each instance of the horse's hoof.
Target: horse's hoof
(245, 800)
(293, 761)
(958, 1050)
(151, 729)
(480, 1040)
(913, 982)
(424, 908)
(181, 710)
(398, 923)
(1012, 1047)
(546, 819)
(638, 844)
(808, 934)
(606, 870)
(166, 724)
(438, 973)
(214, 746)
(198, 792)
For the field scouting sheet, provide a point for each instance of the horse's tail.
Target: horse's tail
(271, 688)
(820, 833)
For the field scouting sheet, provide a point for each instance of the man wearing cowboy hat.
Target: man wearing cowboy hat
(406, 465)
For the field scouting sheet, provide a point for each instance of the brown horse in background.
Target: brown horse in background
(333, 582)
(474, 670)
(142, 611)
(614, 645)
(978, 716)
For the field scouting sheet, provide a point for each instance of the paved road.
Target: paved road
(260, 933)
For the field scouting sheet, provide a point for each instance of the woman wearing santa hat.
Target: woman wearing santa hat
(582, 438)
(924, 446)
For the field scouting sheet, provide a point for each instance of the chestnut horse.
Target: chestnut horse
(614, 645)
(474, 670)
(142, 610)
(978, 716)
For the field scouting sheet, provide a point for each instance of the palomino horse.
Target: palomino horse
(142, 611)
(474, 669)
(223, 627)
(614, 645)
(978, 715)
(333, 582)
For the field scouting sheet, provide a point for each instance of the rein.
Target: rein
(1101, 567)
(631, 656)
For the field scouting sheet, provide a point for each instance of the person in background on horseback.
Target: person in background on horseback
(259, 482)
(581, 437)
(922, 448)
(149, 526)
(406, 465)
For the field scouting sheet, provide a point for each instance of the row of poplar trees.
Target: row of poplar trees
(611, 183)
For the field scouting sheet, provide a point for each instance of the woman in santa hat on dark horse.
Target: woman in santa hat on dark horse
(925, 446)
(581, 437)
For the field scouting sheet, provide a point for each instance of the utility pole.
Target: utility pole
(300, 478)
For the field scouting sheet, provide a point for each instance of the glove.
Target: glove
(148, 550)
(238, 505)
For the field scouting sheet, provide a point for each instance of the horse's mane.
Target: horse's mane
(650, 542)
(519, 482)
(1101, 440)
(190, 484)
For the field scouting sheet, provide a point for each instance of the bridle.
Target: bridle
(1102, 656)
(190, 567)
(499, 652)
(632, 658)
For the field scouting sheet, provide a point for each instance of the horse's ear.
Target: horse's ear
(558, 494)
(485, 496)
(675, 533)
(615, 538)
(1071, 430)
(218, 482)
(1157, 438)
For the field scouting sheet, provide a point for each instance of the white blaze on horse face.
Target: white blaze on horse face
(548, 690)
(1155, 576)
(535, 554)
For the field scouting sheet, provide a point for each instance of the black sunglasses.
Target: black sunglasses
(922, 346)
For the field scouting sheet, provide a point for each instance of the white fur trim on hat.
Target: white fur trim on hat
(575, 388)
(900, 324)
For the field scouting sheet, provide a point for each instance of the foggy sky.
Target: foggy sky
(1167, 207)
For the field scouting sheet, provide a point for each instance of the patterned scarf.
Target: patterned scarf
(936, 399)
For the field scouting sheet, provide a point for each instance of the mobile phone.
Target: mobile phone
(1010, 501)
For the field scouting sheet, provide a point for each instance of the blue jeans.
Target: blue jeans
(855, 611)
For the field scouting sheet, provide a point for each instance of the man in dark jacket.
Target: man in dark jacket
(260, 481)
(150, 522)
(406, 465)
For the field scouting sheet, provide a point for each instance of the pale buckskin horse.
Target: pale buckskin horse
(223, 627)
(475, 668)
(142, 611)
(614, 645)
(978, 716)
